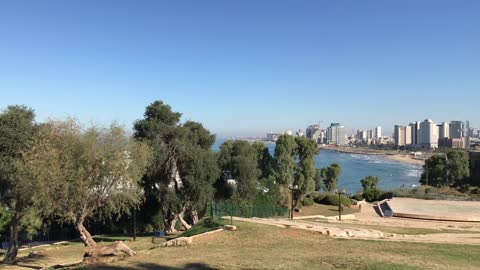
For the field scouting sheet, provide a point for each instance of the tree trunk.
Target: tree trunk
(170, 223)
(94, 253)
(13, 241)
(194, 214)
(184, 223)
(85, 235)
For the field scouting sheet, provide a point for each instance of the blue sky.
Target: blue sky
(244, 67)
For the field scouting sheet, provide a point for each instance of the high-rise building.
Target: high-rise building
(444, 130)
(312, 131)
(336, 134)
(378, 132)
(428, 134)
(316, 133)
(399, 135)
(457, 129)
(408, 135)
(414, 127)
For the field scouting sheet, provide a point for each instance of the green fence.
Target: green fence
(219, 210)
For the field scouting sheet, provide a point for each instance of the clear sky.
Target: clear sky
(244, 67)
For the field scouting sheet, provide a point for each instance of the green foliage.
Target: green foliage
(358, 197)
(238, 159)
(332, 175)
(372, 194)
(458, 167)
(285, 163)
(5, 218)
(307, 202)
(320, 175)
(71, 165)
(265, 161)
(306, 172)
(17, 192)
(450, 170)
(369, 182)
(434, 171)
(317, 197)
(184, 168)
(203, 226)
(332, 199)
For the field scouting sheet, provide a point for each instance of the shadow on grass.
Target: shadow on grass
(148, 266)
(29, 261)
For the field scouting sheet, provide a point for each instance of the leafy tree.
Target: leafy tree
(86, 174)
(331, 177)
(17, 131)
(435, 171)
(306, 171)
(320, 175)
(183, 168)
(285, 162)
(238, 159)
(264, 159)
(369, 182)
(458, 167)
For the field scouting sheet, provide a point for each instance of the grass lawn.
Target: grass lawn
(256, 246)
(324, 210)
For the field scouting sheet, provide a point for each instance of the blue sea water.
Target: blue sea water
(392, 174)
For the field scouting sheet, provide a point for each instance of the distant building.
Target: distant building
(457, 129)
(299, 133)
(273, 137)
(289, 132)
(451, 143)
(414, 127)
(317, 134)
(402, 135)
(336, 134)
(428, 134)
(378, 133)
(444, 130)
(312, 132)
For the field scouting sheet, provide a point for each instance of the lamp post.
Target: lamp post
(340, 193)
(134, 224)
(293, 189)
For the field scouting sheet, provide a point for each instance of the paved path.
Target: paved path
(349, 231)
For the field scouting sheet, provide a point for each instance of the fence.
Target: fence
(219, 210)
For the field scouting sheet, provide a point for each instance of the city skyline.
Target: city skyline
(125, 108)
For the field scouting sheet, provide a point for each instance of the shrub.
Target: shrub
(358, 197)
(307, 202)
(317, 197)
(332, 199)
(372, 195)
(203, 226)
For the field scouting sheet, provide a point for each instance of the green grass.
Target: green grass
(256, 246)
(388, 266)
(324, 210)
(205, 225)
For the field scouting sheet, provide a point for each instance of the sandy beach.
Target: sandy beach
(391, 155)
(405, 159)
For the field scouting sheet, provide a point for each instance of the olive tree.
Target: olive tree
(84, 174)
(17, 130)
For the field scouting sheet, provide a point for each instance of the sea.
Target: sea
(392, 174)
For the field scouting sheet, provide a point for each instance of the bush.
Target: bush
(332, 199)
(372, 195)
(317, 197)
(358, 197)
(307, 202)
(205, 225)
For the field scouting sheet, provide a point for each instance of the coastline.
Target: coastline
(390, 155)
